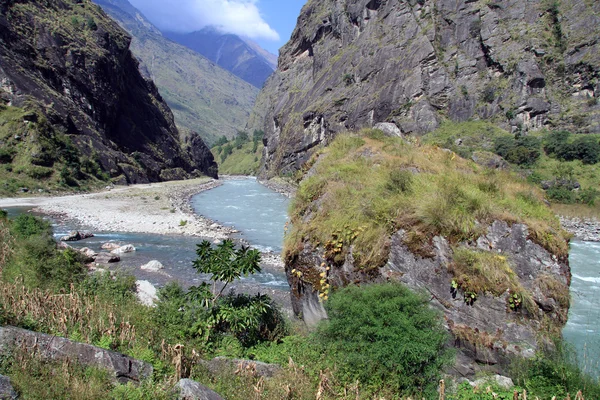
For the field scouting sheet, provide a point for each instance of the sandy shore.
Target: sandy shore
(161, 208)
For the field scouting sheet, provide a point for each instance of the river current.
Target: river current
(260, 215)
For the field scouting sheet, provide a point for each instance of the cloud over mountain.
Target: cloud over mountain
(241, 17)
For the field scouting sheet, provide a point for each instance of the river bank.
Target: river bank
(585, 229)
(158, 208)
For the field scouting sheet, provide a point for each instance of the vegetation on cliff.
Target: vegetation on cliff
(365, 186)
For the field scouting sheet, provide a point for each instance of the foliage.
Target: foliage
(384, 335)
(364, 189)
(561, 145)
(241, 156)
(522, 150)
(225, 264)
(26, 225)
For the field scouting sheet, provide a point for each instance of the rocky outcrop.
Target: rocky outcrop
(54, 348)
(70, 64)
(188, 389)
(6, 390)
(358, 63)
(486, 331)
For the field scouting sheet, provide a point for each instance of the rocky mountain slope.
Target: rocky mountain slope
(204, 97)
(241, 57)
(416, 63)
(73, 97)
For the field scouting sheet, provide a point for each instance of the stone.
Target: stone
(53, 348)
(7, 392)
(188, 389)
(152, 266)
(89, 254)
(503, 382)
(146, 293)
(110, 246)
(389, 129)
(490, 160)
(75, 236)
(107, 258)
(128, 248)
(256, 368)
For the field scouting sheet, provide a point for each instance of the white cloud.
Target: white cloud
(241, 17)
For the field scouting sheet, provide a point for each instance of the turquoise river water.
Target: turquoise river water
(260, 215)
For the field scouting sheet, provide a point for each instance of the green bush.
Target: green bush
(588, 196)
(522, 150)
(6, 156)
(27, 225)
(384, 336)
(560, 145)
(586, 149)
(561, 194)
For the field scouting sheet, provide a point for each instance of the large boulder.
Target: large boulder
(188, 389)
(75, 236)
(128, 248)
(53, 348)
(107, 258)
(6, 390)
(152, 266)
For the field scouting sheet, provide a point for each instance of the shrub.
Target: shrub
(588, 196)
(561, 194)
(524, 150)
(586, 149)
(6, 156)
(384, 336)
(27, 225)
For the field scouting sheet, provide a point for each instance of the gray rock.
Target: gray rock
(152, 266)
(88, 253)
(490, 160)
(389, 129)
(188, 389)
(503, 382)
(128, 248)
(110, 246)
(107, 258)
(255, 367)
(75, 236)
(6, 390)
(53, 348)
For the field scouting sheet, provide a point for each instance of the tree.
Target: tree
(225, 264)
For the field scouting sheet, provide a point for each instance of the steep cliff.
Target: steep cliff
(480, 243)
(204, 97)
(414, 63)
(68, 67)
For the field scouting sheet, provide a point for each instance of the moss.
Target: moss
(354, 188)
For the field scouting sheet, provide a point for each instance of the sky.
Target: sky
(268, 22)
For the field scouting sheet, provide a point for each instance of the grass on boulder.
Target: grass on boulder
(366, 186)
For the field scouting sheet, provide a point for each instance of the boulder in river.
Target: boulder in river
(88, 253)
(128, 248)
(146, 293)
(75, 236)
(6, 390)
(152, 266)
(107, 258)
(53, 348)
(110, 246)
(188, 389)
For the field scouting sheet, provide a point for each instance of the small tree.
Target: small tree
(225, 264)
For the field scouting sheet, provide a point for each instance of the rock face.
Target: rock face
(487, 331)
(204, 98)
(6, 390)
(356, 63)
(81, 77)
(53, 348)
(188, 389)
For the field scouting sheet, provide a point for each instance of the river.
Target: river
(260, 215)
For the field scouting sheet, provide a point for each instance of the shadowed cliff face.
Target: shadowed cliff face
(68, 61)
(356, 63)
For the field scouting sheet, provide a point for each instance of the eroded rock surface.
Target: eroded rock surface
(412, 64)
(54, 348)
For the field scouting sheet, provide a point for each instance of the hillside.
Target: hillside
(204, 98)
(241, 57)
(75, 108)
(239, 156)
(415, 64)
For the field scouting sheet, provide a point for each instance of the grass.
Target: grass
(366, 187)
(241, 161)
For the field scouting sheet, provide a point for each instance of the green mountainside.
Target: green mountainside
(241, 155)
(204, 98)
